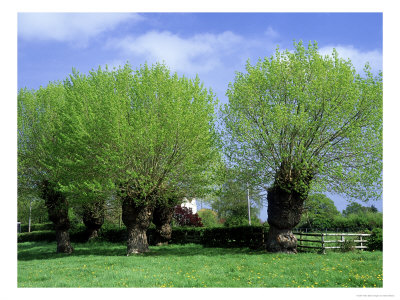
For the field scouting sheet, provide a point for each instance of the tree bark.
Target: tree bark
(284, 213)
(162, 217)
(93, 218)
(137, 219)
(63, 242)
(57, 207)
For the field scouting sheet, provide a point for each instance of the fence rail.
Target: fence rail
(323, 241)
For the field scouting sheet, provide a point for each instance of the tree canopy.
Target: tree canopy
(318, 208)
(39, 123)
(147, 129)
(298, 115)
(231, 199)
(357, 209)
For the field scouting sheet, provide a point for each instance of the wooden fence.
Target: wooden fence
(324, 240)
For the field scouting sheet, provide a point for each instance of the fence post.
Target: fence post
(361, 242)
(301, 240)
(263, 239)
(323, 243)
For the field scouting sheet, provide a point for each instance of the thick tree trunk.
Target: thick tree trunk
(93, 218)
(284, 213)
(162, 217)
(63, 242)
(137, 219)
(57, 207)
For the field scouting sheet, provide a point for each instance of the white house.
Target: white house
(190, 204)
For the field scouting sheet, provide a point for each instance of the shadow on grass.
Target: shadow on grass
(47, 250)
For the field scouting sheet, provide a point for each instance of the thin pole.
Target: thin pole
(248, 202)
(30, 213)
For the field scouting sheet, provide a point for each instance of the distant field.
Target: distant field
(105, 265)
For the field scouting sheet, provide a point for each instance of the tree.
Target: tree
(373, 209)
(319, 211)
(184, 216)
(231, 201)
(33, 206)
(305, 122)
(357, 209)
(93, 217)
(144, 134)
(162, 218)
(38, 145)
(352, 208)
(209, 217)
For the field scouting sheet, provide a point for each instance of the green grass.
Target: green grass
(105, 265)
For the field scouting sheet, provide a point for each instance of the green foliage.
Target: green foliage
(113, 234)
(37, 227)
(375, 241)
(231, 201)
(209, 218)
(142, 131)
(366, 221)
(237, 236)
(74, 218)
(352, 208)
(357, 209)
(240, 220)
(352, 223)
(39, 123)
(301, 120)
(38, 213)
(319, 211)
(347, 246)
(145, 130)
(35, 236)
(185, 235)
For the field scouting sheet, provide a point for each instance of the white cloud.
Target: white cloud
(357, 57)
(271, 33)
(195, 54)
(69, 27)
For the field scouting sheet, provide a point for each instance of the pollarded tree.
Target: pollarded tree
(162, 216)
(302, 122)
(145, 134)
(93, 217)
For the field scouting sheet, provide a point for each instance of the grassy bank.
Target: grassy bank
(105, 265)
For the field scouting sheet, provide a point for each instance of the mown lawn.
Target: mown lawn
(105, 265)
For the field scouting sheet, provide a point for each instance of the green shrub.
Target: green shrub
(235, 220)
(77, 233)
(37, 227)
(375, 241)
(113, 234)
(36, 236)
(209, 218)
(352, 223)
(185, 235)
(347, 246)
(238, 236)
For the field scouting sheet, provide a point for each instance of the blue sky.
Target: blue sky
(212, 45)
